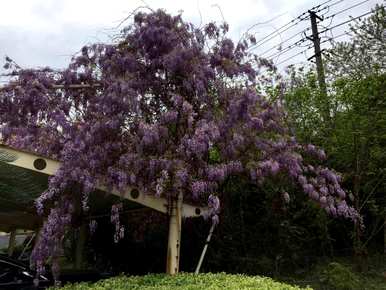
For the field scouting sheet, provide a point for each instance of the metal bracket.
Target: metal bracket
(311, 57)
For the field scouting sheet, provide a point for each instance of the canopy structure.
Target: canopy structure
(18, 189)
(24, 176)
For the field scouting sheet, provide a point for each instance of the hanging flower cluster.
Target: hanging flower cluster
(168, 109)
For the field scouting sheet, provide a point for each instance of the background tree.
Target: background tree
(355, 135)
(364, 54)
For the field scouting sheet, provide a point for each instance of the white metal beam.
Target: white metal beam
(48, 166)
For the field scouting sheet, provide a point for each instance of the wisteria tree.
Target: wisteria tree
(170, 109)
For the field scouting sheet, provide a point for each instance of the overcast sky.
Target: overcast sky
(47, 32)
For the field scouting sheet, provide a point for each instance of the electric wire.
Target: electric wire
(347, 21)
(331, 39)
(276, 33)
(291, 57)
(292, 23)
(286, 40)
(295, 21)
(344, 10)
(330, 5)
(318, 10)
(297, 43)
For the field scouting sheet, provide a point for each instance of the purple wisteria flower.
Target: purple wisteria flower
(168, 109)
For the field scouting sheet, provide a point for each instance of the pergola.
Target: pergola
(35, 171)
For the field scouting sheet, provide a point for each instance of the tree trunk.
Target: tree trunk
(360, 251)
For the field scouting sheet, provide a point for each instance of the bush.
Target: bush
(184, 282)
(339, 277)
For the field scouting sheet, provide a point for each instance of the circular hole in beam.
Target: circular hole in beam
(134, 193)
(40, 164)
(197, 211)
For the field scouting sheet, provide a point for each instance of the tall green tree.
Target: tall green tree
(355, 135)
(365, 53)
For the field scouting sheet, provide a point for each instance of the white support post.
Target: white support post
(174, 241)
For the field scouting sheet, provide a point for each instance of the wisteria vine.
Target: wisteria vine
(169, 109)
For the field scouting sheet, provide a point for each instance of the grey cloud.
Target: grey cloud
(31, 48)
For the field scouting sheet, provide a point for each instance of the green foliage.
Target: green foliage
(354, 136)
(342, 273)
(339, 277)
(350, 122)
(185, 281)
(365, 54)
(214, 155)
(262, 234)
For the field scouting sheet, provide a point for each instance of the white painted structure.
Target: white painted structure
(176, 209)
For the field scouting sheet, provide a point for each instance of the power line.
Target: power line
(291, 57)
(335, 37)
(335, 3)
(328, 28)
(321, 4)
(331, 19)
(284, 41)
(293, 45)
(317, 8)
(303, 39)
(301, 17)
(277, 32)
(296, 44)
(347, 21)
(288, 48)
(262, 23)
(344, 10)
(273, 36)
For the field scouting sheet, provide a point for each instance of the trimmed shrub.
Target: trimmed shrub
(184, 281)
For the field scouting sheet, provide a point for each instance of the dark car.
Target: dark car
(15, 274)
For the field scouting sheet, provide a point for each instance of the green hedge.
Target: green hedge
(184, 281)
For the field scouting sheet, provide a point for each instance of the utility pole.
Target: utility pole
(318, 53)
(319, 64)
